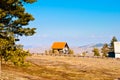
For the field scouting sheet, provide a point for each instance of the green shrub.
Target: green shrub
(96, 52)
(71, 51)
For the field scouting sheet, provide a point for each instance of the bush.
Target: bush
(11, 52)
(17, 56)
(46, 52)
(84, 54)
(56, 52)
(71, 51)
(50, 52)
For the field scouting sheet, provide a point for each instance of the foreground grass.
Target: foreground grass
(64, 68)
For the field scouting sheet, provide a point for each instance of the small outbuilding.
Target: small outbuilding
(117, 49)
(61, 47)
(116, 52)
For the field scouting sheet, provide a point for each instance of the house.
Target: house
(116, 52)
(117, 49)
(61, 47)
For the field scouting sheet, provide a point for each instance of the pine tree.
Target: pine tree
(114, 39)
(105, 50)
(13, 19)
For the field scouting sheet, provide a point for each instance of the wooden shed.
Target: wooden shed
(61, 47)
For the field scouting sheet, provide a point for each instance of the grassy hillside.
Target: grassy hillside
(64, 68)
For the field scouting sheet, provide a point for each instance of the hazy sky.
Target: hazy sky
(78, 22)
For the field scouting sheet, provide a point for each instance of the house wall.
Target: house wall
(66, 50)
(117, 55)
(117, 47)
(111, 54)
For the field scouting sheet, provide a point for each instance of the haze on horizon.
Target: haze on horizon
(78, 22)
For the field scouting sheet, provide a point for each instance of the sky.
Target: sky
(77, 22)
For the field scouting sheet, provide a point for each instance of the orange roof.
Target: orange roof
(58, 45)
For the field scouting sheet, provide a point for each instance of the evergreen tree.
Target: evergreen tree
(96, 52)
(13, 19)
(114, 39)
(105, 50)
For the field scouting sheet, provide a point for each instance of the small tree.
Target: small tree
(17, 56)
(46, 52)
(114, 39)
(96, 52)
(105, 50)
(71, 51)
(14, 54)
(84, 54)
(50, 51)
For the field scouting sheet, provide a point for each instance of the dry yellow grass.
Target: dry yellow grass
(65, 68)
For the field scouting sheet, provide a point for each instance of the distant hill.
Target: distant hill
(38, 49)
(77, 50)
(99, 45)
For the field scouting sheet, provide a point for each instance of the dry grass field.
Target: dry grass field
(44, 67)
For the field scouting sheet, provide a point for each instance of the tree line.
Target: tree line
(106, 48)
